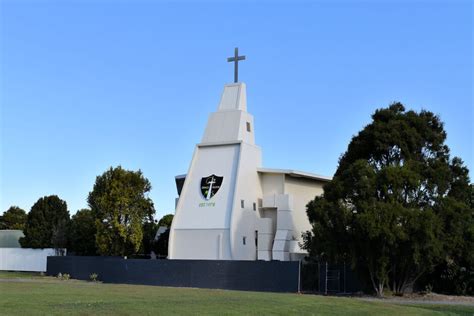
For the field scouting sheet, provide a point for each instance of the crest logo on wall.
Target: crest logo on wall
(210, 185)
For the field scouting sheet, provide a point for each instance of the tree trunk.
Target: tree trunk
(380, 289)
(378, 286)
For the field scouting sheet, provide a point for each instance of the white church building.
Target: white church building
(229, 206)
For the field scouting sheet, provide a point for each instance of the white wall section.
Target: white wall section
(24, 259)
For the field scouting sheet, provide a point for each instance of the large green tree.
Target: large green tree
(120, 204)
(82, 231)
(397, 204)
(13, 218)
(46, 224)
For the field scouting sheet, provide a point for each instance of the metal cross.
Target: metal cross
(236, 59)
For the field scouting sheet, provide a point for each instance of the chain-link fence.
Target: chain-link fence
(326, 278)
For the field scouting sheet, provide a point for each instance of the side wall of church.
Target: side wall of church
(245, 206)
(302, 190)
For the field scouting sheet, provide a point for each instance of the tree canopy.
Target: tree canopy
(160, 246)
(166, 220)
(82, 231)
(46, 224)
(397, 205)
(13, 218)
(149, 231)
(120, 205)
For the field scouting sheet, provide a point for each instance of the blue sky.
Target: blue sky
(86, 85)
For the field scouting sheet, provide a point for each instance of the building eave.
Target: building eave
(290, 172)
(295, 173)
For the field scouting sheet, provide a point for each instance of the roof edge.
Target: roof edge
(295, 173)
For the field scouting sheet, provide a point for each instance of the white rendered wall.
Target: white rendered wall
(199, 225)
(229, 125)
(284, 201)
(221, 161)
(303, 191)
(24, 259)
(272, 183)
(248, 189)
(234, 97)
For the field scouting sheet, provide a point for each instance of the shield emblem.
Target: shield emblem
(210, 185)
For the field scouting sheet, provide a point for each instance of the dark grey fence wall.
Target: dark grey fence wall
(272, 276)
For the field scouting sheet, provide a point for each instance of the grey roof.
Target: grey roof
(296, 174)
(10, 238)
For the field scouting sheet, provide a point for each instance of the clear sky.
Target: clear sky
(86, 85)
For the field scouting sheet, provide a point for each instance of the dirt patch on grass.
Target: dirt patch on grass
(439, 297)
(431, 298)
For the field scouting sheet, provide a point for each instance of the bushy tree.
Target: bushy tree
(13, 218)
(120, 204)
(46, 224)
(160, 246)
(166, 220)
(149, 231)
(397, 204)
(150, 228)
(455, 273)
(82, 231)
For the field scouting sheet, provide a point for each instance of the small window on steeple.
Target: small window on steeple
(248, 127)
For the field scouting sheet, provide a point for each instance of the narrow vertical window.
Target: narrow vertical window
(254, 206)
(244, 240)
(248, 127)
(242, 203)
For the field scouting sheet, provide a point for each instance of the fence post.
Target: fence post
(299, 277)
(344, 277)
(326, 280)
(319, 277)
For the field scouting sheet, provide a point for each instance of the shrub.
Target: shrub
(63, 276)
(94, 277)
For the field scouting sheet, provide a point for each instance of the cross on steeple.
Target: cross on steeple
(236, 59)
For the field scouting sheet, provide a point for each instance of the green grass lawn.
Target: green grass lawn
(16, 275)
(23, 294)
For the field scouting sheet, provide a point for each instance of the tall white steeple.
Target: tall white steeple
(216, 225)
(215, 213)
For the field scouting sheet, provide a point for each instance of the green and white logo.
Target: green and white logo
(210, 185)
